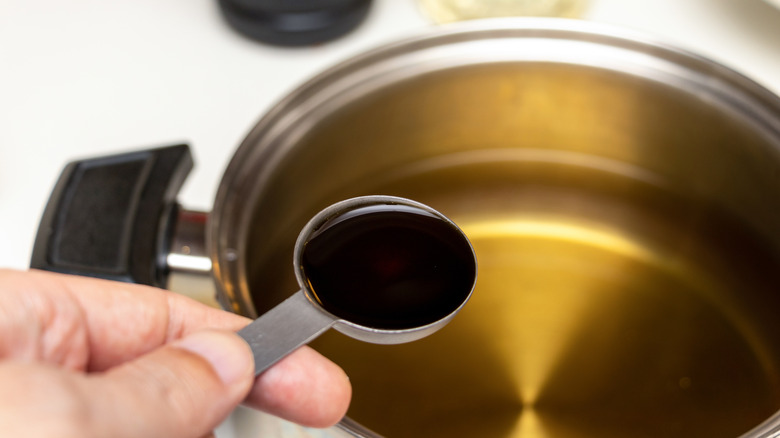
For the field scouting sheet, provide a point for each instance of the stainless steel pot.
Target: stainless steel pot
(621, 195)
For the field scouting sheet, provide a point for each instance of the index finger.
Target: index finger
(120, 321)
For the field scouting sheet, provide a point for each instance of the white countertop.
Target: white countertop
(82, 78)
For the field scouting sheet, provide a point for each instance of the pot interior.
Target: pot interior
(627, 239)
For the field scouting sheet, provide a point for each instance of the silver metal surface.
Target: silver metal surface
(188, 263)
(355, 429)
(525, 41)
(291, 324)
(299, 319)
(622, 193)
(188, 244)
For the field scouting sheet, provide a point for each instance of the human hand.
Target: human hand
(81, 357)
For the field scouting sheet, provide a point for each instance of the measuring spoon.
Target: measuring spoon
(381, 269)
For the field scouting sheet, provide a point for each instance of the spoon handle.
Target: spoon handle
(283, 329)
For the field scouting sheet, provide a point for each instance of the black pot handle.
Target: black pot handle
(111, 217)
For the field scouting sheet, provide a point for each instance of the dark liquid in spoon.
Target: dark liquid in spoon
(389, 266)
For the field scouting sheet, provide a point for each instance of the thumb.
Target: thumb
(184, 389)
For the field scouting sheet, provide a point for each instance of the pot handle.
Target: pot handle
(111, 217)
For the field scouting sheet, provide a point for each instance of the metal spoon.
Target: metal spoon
(408, 309)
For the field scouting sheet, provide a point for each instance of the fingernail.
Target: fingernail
(228, 355)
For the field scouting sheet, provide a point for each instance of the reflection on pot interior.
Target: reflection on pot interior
(628, 270)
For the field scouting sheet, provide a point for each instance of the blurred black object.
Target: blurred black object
(294, 22)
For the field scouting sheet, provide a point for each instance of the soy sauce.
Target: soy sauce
(389, 266)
